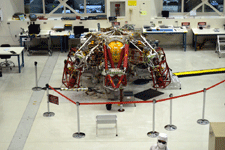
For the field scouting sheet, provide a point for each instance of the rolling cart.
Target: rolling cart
(43, 46)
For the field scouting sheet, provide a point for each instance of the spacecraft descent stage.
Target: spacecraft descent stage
(113, 56)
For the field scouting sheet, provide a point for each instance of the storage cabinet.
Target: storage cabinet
(217, 136)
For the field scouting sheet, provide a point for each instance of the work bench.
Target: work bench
(17, 52)
(205, 32)
(183, 31)
(53, 34)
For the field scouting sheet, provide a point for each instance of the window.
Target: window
(218, 4)
(184, 6)
(191, 4)
(33, 6)
(93, 6)
(172, 5)
(65, 6)
(78, 6)
(50, 5)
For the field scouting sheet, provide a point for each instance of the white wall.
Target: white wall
(9, 7)
(152, 7)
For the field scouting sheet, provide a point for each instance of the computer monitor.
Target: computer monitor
(165, 13)
(78, 30)
(34, 28)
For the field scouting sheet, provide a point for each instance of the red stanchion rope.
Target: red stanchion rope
(215, 85)
(62, 95)
(131, 102)
(127, 102)
(165, 99)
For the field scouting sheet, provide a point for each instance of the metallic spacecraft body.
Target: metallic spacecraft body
(114, 55)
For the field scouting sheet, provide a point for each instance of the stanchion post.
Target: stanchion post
(0, 71)
(153, 133)
(121, 100)
(36, 80)
(170, 127)
(78, 134)
(48, 114)
(203, 121)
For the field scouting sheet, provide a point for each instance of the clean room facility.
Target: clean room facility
(112, 75)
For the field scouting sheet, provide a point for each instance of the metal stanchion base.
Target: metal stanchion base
(79, 135)
(170, 127)
(153, 134)
(121, 110)
(203, 121)
(49, 114)
(36, 88)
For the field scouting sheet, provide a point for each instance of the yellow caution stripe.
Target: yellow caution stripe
(200, 72)
(74, 89)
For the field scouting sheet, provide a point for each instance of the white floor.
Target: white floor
(133, 124)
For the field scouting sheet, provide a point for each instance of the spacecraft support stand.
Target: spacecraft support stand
(121, 100)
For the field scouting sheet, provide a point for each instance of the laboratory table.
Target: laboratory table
(205, 32)
(18, 51)
(179, 30)
(53, 34)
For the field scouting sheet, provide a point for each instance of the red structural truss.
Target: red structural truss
(110, 80)
(160, 74)
(71, 76)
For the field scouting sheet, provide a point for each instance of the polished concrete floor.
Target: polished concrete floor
(22, 125)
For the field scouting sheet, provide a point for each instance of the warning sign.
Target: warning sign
(186, 24)
(132, 2)
(202, 23)
(115, 23)
(143, 12)
(53, 99)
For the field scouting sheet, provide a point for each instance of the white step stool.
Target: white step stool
(106, 119)
(220, 48)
